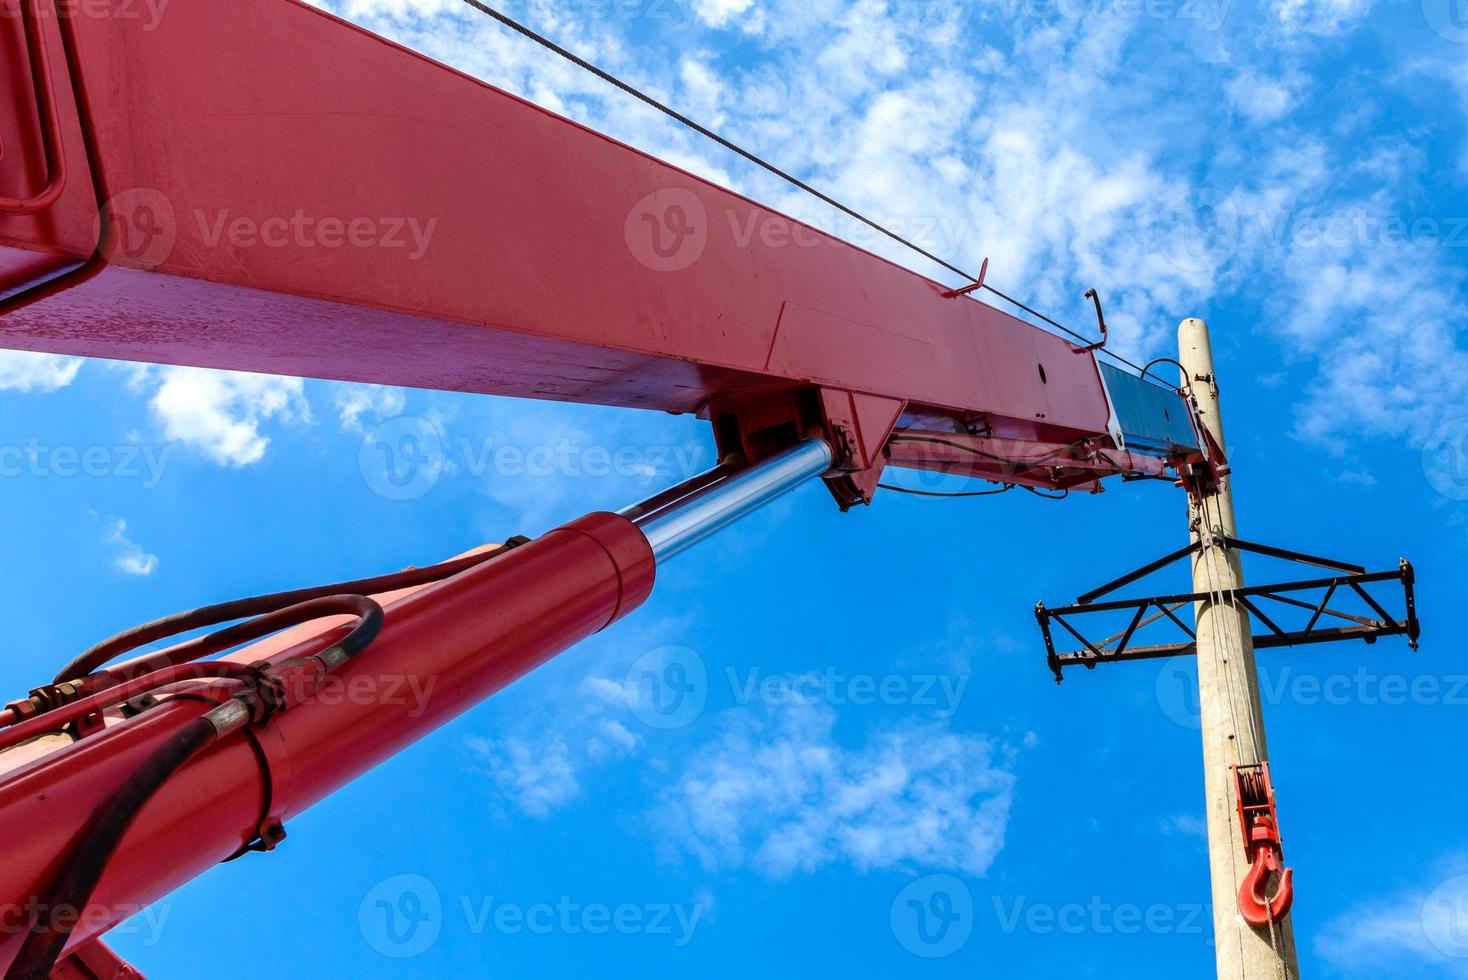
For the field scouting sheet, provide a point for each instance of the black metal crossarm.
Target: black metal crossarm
(1326, 624)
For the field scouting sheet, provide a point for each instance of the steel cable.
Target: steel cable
(763, 164)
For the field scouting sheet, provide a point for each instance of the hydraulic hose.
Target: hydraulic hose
(52, 721)
(179, 663)
(82, 869)
(226, 639)
(73, 886)
(114, 647)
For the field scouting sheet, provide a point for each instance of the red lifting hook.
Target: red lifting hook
(1257, 908)
(1259, 824)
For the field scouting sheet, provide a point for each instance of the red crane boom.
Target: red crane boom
(259, 186)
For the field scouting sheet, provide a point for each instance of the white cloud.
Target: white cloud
(542, 463)
(539, 771)
(778, 793)
(705, 92)
(1386, 326)
(537, 776)
(1185, 825)
(43, 373)
(129, 559)
(772, 788)
(718, 13)
(1457, 74)
(377, 402)
(357, 9)
(1321, 17)
(221, 413)
(1260, 98)
(1403, 932)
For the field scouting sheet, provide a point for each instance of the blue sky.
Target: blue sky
(870, 721)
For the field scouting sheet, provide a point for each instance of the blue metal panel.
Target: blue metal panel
(1153, 419)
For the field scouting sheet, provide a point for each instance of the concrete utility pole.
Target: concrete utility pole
(1233, 724)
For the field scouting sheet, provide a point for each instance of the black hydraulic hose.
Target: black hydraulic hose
(114, 647)
(913, 491)
(76, 881)
(83, 868)
(368, 612)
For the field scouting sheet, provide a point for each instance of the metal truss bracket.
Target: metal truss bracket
(1325, 624)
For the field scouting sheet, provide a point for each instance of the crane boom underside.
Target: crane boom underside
(335, 206)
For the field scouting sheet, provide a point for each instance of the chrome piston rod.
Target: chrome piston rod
(674, 527)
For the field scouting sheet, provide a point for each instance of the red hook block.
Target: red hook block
(1255, 905)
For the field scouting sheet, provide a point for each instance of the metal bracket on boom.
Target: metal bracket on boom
(30, 285)
(1095, 297)
(1349, 579)
(972, 287)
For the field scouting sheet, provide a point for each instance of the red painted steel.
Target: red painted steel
(51, 156)
(1259, 825)
(1024, 462)
(298, 196)
(95, 961)
(459, 641)
(1257, 907)
(287, 193)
